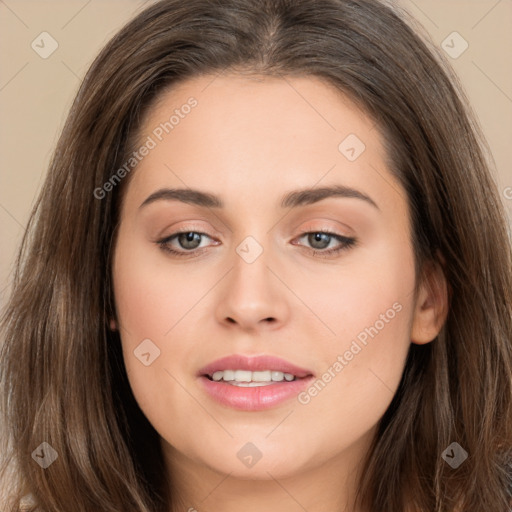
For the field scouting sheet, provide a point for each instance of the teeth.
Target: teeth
(278, 376)
(243, 376)
(261, 376)
(247, 378)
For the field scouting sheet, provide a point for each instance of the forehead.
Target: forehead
(231, 133)
(244, 101)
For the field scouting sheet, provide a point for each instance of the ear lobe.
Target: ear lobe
(112, 324)
(431, 308)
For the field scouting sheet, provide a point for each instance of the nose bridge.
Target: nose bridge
(252, 294)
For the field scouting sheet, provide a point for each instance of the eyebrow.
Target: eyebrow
(290, 200)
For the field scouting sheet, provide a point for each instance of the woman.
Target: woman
(268, 269)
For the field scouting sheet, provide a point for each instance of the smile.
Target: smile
(253, 383)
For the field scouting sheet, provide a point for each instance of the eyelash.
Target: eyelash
(345, 244)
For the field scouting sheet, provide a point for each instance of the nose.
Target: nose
(252, 296)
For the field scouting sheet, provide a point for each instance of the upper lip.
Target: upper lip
(254, 364)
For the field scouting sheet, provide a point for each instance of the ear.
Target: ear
(431, 308)
(112, 324)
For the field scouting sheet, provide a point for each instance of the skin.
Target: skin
(250, 140)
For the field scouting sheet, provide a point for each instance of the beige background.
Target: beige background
(35, 93)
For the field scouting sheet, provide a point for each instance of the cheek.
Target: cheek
(370, 308)
(151, 296)
(151, 305)
(368, 296)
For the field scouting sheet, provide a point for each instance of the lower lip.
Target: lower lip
(256, 398)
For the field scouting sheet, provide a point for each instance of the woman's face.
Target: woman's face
(258, 171)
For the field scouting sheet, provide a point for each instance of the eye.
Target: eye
(188, 243)
(321, 242)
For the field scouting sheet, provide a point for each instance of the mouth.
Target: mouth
(253, 383)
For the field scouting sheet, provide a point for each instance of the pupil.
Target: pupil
(187, 240)
(318, 237)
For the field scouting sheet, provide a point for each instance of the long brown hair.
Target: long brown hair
(62, 374)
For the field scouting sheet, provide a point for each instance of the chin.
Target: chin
(257, 460)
